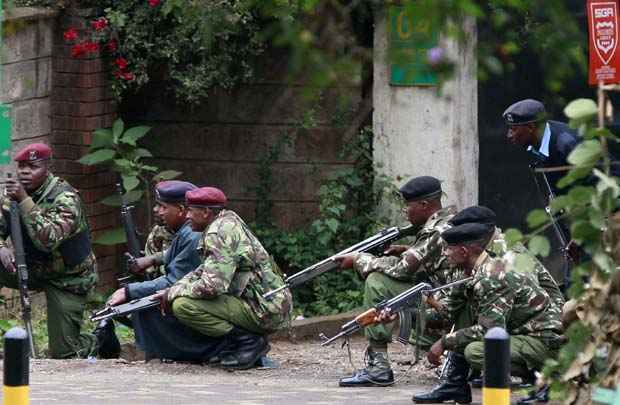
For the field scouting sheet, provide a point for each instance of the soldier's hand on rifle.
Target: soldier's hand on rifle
(7, 257)
(164, 304)
(395, 250)
(137, 265)
(435, 353)
(386, 316)
(346, 261)
(14, 190)
(118, 297)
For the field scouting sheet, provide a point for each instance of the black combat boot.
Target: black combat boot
(378, 373)
(453, 388)
(248, 349)
(108, 346)
(539, 396)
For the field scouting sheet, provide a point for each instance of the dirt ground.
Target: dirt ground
(307, 374)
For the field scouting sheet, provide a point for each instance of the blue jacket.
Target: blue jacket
(181, 258)
(561, 143)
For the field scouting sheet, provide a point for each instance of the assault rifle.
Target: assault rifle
(399, 304)
(375, 244)
(22, 271)
(122, 310)
(131, 233)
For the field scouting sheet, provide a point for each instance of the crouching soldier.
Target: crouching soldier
(499, 295)
(222, 298)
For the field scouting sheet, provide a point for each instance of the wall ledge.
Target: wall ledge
(30, 13)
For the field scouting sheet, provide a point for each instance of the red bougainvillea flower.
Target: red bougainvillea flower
(70, 35)
(91, 47)
(117, 74)
(127, 76)
(154, 3)
(99, 24)
(78, 50)
(112, 46)
(121, 63)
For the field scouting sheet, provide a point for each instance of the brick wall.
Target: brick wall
(81, 102)
(222, 141)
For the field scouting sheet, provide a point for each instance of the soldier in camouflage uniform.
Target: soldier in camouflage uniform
(157, 242)
(58, 251)
(499, 295)
(223, 297)
(388, 276)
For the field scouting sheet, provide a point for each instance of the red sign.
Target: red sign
(603, 27)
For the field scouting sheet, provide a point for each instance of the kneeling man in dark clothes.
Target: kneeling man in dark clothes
(223, 297)
(163, 336)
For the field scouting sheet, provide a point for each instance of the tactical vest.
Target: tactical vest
(73, 250)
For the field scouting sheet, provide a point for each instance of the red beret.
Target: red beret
(206, 197)
(33, 152)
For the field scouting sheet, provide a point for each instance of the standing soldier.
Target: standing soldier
(498, 295)
(388, 276)
(223, 297)
(58, 251)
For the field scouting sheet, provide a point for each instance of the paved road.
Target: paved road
(308, 374)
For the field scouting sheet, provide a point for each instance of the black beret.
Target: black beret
(421, 188)
(474, 214)
(173, 191)
(465, 233)
(524, 112)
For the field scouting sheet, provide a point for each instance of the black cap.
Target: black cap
(465, 233)
(524, 112)
(474, 214)
(173, 191)
(421, 188)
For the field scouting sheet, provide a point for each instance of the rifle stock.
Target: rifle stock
(374, 244)
(397, 304)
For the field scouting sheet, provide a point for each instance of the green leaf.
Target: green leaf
(123, 163)
(539, 245)
(166, 175)
(102, 138)
(130, 182)
(604, 262)
(332, 224)
(537, 218)
(117, 129)
(574, 175)
(99, 156)
(115, 236)
(113, 200)
(141, 152)
(586, 153)
(133, 134)
(581, 195)
(606, 183)
(581, 108)
(583, 230)
(559, 203)
(524, 263)
(513, 236)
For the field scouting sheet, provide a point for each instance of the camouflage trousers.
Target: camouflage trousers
(65, 312)
(216, 317)
(526, 353)
(379, 287)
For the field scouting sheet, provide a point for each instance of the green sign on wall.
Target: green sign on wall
(5, 134)
(409, 39)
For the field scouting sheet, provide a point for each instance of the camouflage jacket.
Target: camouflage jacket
(51, 217)
(499, 295)
(235, 263)
(499, 247)
(426, 248)
(157, 242)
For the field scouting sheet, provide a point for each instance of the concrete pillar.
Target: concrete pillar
(421, 131)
